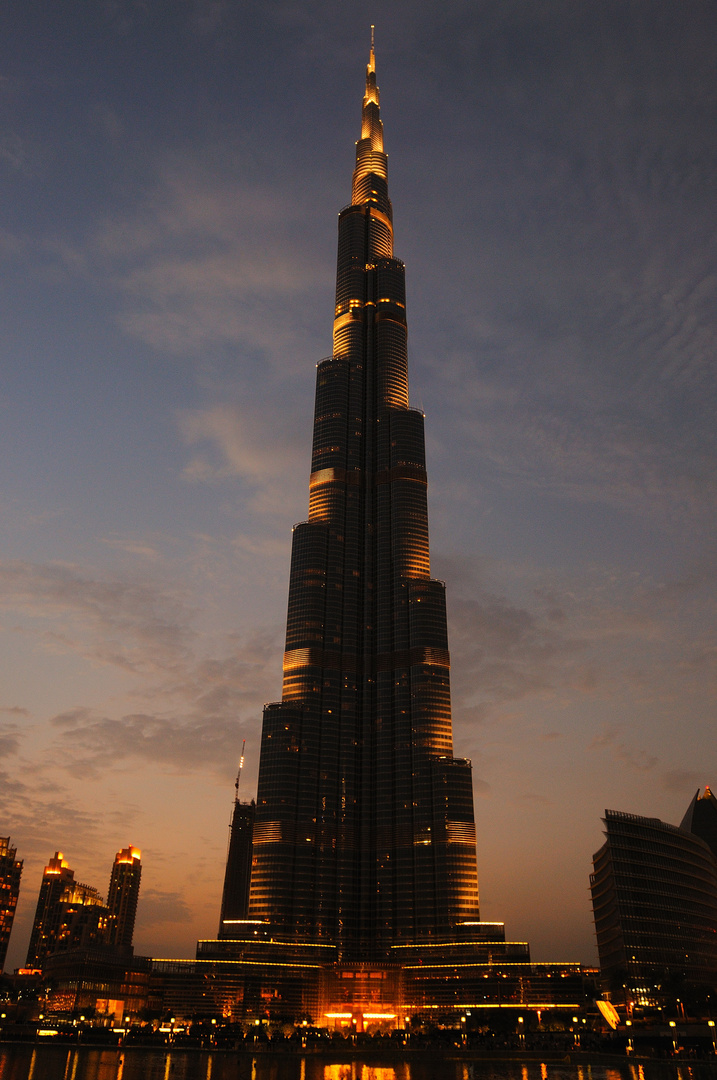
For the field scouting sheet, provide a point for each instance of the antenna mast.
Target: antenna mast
(241, 766)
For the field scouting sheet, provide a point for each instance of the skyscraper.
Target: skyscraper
(122, 897)
(56, 877)
(363, 901)
(81, 920)
(10, 874)
(654, 895)
(364, 836)
(235, 895)
(70, 915)
(701, 818)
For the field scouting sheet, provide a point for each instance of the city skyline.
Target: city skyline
(168, 279)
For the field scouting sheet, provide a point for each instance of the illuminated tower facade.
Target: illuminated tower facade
(122, 897)
(56, 878)
(10, 874)
(364, 834)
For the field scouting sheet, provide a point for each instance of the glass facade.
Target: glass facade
(364, 835)
(654, 895)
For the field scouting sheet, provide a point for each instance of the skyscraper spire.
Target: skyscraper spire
(370, 158)
(364, 835)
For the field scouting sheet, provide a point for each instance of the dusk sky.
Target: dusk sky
(171, 173)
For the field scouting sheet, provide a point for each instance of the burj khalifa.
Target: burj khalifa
(364, 835)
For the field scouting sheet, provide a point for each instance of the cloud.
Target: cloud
(190, 688)
(599, 638)
(534, 799)
(560, 442)
(133, 625)
(44, 813)
(502, 652)
(9, 737)
(637, 760)
(157, 908)
(244, 443)
(214, 258)
(682, 780)
(13, 152)
(131, 547)
(578, 360)
(10, 787)
(90, 744)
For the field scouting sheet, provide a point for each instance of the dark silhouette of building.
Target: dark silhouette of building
(122, 897)
(364, 835)
(654, 896)
(235, 895)
(10, 874)
(701, 818)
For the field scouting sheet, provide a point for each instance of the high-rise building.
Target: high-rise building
(122, 897)
(70, 915)
(363, 900)
(81, 920)
(56, 877)
(701, 818)
(654, 895)
(10, 874)
(235, 895)
(364, 835)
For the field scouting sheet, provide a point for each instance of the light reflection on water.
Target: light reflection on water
(61, 1063)
(358, 1070)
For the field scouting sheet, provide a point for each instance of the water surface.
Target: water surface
(63, 1063)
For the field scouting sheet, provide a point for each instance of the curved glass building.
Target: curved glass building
(654, 895)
